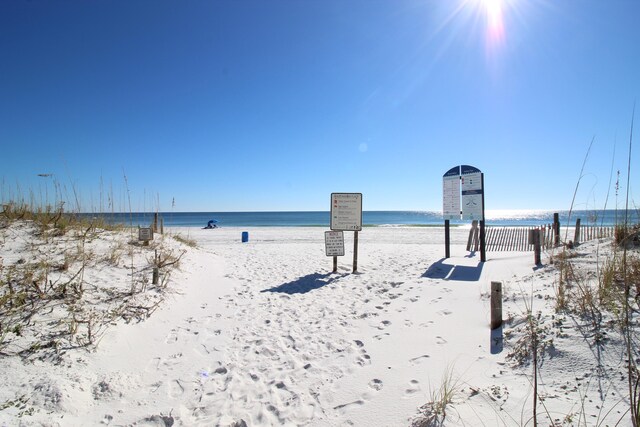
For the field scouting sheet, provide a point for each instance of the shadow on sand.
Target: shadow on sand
(497, 340)
(444, 271)
(305, 283)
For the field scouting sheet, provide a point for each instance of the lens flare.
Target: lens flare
(495, 21)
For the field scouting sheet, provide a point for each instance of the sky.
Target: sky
(251, 105)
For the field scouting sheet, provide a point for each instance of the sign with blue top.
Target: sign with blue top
(470, 205)
(463, 197)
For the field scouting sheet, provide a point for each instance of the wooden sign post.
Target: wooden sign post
(355, 251)
(346, 215)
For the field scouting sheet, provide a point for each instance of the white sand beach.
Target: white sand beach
(263, 334)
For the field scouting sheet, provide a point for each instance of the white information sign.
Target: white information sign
(451, 197)
(472, 182)
(472, 196)
(334, 243)
(346, 211)
(145, 234)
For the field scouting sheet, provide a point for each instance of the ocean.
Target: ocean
(512, 218)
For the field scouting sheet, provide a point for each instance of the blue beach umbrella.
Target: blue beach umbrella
(211, 222)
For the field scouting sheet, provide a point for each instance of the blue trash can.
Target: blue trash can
(245, 236)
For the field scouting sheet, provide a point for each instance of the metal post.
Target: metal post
(335, 264)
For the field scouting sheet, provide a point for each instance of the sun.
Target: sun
(493, 10)
(494, 13)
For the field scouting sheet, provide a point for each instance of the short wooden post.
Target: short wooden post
(161, 225)
(576, 234)
(472, 234)
(496, 305)
(156, 270)
(447, 239)
(355, 251)
(155, 222)
(537, 247)
(556, 229)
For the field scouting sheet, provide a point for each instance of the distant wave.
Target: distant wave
(511, 218)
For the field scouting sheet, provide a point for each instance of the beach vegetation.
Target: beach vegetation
(51, 280)
(607, 301)
(434, 412)
(185, 240)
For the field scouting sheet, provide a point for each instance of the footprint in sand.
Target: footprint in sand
(384, 324)
(419, 359)
(175, 389)
(408, 323)
(426, 324)
(359, 402)
(440, 340)
(445, 312)
(365, 359)
(379, 337)
(172, 338)
(414, 387)
(376, 384)
(153, 364)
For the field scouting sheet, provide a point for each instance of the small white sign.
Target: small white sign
(145, 234)
(472, 196)
(472, 182)
(334, 243)
(451, 197)
(472, 206)
(346, 211)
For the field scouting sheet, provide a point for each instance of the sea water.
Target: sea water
(512, 218)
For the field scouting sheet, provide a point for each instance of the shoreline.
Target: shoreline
(370, 218)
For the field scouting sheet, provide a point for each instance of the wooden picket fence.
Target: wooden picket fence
(516, 239)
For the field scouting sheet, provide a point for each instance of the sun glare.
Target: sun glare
(495, 22)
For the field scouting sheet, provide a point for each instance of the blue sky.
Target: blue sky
(272, 105)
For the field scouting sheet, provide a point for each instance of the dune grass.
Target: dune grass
(49, 281)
